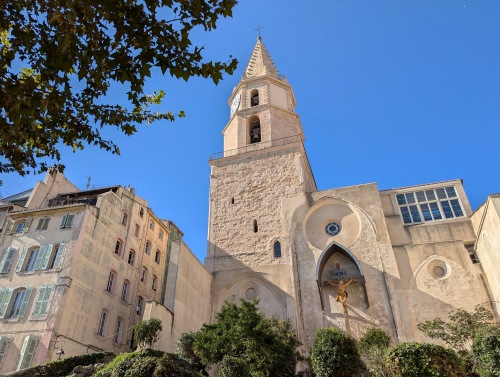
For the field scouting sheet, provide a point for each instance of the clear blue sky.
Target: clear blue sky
(398, 92)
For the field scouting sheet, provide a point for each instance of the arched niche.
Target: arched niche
(339, 263)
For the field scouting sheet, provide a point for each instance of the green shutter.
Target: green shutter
(5, 295)
(46, 257)
(4, 343)
(25, 303)
(20, 262)
(27, 352)
(58, 256)
(42, 302)
(27, 225)
(10, 225)
(7, 260)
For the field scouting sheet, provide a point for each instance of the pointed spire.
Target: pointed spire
(260, 63)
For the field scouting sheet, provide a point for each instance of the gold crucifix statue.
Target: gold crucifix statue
(342, 296)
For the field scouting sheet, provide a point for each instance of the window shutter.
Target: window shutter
(58, 257)
(7, 260)
(5, 295)
(27, 352)
(45, 301)
(4, 343)
(20, 262)
(46, 257)
(26, 301)
(27, 225)
(39, 225)
(10, 225)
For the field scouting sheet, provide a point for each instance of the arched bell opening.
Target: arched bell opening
(336, 264)
(254, 130)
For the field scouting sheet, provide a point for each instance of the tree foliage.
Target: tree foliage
(147, 333)
(242, 336)
(424, 360)
(59, 59)
(335, 354)
(461, 328)
(374, 345)
(486, 351)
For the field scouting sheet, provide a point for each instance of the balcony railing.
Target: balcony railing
(256, 147)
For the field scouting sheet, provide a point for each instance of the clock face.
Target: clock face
(235, 104)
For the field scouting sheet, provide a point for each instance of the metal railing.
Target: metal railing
(256, 147)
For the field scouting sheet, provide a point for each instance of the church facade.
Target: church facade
(352, 257)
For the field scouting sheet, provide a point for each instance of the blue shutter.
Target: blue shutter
(20, 262)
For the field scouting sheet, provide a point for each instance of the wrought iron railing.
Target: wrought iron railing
(256, 147)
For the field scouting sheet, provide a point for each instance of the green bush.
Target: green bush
(486, 349)
(65, 366)
(424, 360)
(146, 333)
(231, 366)
(335, 354)
(374, 338)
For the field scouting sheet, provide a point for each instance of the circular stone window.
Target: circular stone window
(438, 271)
(250, 293)
(332, 229)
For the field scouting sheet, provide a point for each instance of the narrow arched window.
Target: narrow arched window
(254, 98)
(277, 249)
(131, 257)
(255, 226)
(255, 133)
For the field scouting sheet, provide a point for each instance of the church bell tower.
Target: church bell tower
(256, 183)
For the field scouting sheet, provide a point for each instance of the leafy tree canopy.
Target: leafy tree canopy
(147, 333)
(59, 58)
(242, 337)
(459, 331)
(486, 349)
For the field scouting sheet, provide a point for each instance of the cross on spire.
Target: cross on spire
(258, 30)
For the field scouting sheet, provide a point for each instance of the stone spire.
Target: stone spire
(260, 63)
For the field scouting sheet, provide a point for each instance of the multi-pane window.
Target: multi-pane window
(43, 224)
(125, 291)
(20, 303)
(118, 248)
(111, 280)
(118, 330)
(67, 221)
(429, 205)
(102, 323)
(44, 257)
(131, 257)
(30, 266)
(19, 226)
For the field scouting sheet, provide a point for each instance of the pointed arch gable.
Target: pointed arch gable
(331, 249)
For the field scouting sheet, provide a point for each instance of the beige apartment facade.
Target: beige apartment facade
(405, 255)
(78, 269)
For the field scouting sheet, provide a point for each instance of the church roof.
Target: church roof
(260, 63)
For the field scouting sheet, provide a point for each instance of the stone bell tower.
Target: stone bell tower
(256, 184)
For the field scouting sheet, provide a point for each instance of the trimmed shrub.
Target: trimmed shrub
(374, 338)
(334, 353)
(424, 360)
(66, 366)
(486, 349)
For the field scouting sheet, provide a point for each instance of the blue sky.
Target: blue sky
(397, 92)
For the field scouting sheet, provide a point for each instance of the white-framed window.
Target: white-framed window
(138, 307)
(124, 296)
(4, 343)
(18, 226)
(111, 281)
(67, 221)
(147, 250)
(6, 260)
(41, 306)
(43, 224)
(118, 330)
(154, 283)
(27, 351)
(101, 329)
(429, 205)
